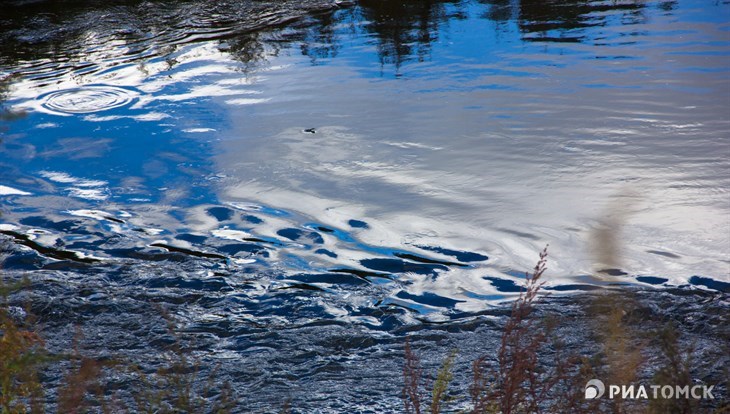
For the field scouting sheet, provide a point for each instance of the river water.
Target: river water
(366, 166)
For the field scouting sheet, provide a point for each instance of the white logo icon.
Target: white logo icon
(594, 389)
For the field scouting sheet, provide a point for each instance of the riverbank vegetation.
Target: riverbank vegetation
(105, 385)
(88, 385)
(533, 369)
(532, 372)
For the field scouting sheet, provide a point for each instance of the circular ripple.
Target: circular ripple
(87, 99)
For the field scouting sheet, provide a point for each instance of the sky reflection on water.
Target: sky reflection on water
(486, 127)
(481, 137)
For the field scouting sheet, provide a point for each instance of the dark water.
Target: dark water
(303, 183)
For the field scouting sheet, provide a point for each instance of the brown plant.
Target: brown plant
(22, 352)
(84, 388)
(412, 374)
(515, 385)
(175, 387)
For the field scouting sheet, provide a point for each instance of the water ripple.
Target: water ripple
(87, 99)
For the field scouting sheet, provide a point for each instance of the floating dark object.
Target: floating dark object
(310, 131)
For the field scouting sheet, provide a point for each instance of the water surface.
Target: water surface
(274, 166)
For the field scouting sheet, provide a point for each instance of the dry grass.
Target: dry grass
(83, 389)
(413, 392)
(515, 385)
(530, 372)
(177, 387)
(533, 373)
(22, 353)
(412, 376)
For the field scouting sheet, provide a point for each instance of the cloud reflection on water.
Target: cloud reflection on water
(475, 126)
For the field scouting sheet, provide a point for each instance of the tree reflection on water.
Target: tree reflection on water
(66, 32)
